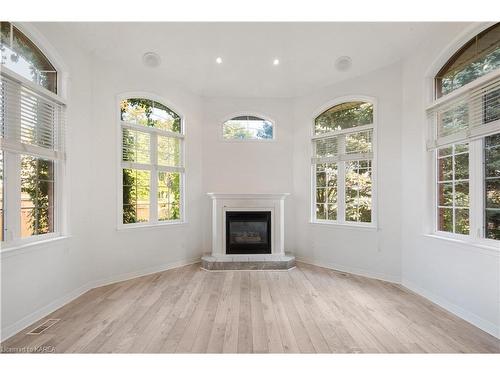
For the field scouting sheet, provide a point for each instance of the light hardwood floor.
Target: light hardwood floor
(305, 310)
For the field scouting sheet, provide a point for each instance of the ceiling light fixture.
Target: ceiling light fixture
(151, 59)
(218, 60)
(276, 62)
(343, 63)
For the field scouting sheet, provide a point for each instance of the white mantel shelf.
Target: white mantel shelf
(280, 196)
(226, 202)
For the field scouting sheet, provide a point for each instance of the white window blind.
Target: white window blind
(31, 121)
(469, 113)
(351, 144)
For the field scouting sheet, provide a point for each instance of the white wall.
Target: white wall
(460, 277)
(250, 167)
(39, 278)
(371, 252)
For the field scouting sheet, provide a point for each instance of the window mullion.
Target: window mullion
(476, 189)
(153, 196)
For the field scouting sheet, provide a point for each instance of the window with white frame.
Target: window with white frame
(32, 150)
(152, 169)
(247, 128)
(342, 164)
(464, 135)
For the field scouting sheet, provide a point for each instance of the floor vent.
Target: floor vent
(42, 327)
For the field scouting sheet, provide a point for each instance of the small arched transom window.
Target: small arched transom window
(342, 164)
(152, 162)
(22, 56)
(248, 128)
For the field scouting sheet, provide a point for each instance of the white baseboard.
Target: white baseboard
(348, 269)
(21, 324)
(147, 271)
(466, 315)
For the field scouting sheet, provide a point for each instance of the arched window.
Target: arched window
(32, 141)
(152, 162)
(465, 137)
(248, 128)
(343, 164)
(22, 56)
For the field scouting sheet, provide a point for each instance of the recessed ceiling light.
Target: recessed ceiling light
(343, 63)
(151, 59)
(218, 60)
(276, 62)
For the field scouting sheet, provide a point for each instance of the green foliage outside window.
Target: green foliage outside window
(37, 192)
(147, 112)
(344, 116)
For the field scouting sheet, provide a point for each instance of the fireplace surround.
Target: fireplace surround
(259, 239)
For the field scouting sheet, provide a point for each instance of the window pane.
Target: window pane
(326, 147)
(445, 169)
(492, 224)
(492, 106)
(320, 212)
(147, 112)
(445, 194)
(462, 166)
(360, 142)
(453, 120)
(331, 211)
(462, 221)
(136, 189)
(169, 151)
(492, 156)
(136, 146)
(247, 127)
(493, 193)
(445, 219)
(492, 186)
(25, 58)
(358, 191)
(37, 196)
(320, 195)
(169, 191)
(462, 194)
(344, 116)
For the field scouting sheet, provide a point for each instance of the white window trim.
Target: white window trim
(341, 222)
(153, 222)
(248, 113)
(12, 237)
(476, 184)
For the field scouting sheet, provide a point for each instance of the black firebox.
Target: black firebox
(248, 232)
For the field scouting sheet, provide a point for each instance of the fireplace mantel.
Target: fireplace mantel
(224, 202)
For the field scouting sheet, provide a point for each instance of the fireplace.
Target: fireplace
(248, 232)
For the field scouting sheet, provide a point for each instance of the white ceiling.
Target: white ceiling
(307, 52)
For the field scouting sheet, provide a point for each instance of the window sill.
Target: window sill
(126, 227)
(24, 247)
(369, 227)
(485, 247)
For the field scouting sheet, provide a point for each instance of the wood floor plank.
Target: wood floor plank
(308, 309)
